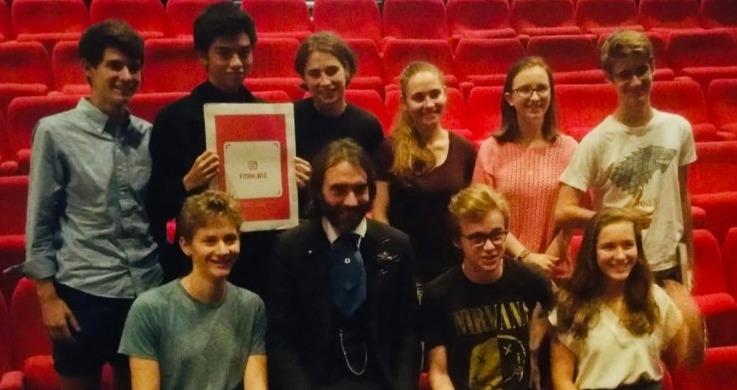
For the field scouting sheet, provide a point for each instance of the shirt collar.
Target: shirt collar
(98, 118)
(332, 233)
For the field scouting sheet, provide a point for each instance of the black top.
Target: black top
(177, 138)
(485, 328)
(418, 206)
(301, 341)
(314, 130)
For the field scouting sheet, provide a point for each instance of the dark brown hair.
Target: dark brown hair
(110, 33)
(580, 299)
(326, 42)
(509, 131)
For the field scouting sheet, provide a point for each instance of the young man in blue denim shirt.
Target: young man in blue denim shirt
(88, 243)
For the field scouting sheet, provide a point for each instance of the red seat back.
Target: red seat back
(703, 48)
(24, 112)
(708, 267)
(565, 53)
(274, 57)
(542, 13)
(605, 13)
(148, 105)
(181, 14)
(484, 116)
(583, 107)
(399, 53)
(714, 170)
(415, 19)
(171, 66)
(24, 63)
(29, 333)
(683, 97)
(716, 372)
(360, 20)
(722, 102)
(669, 14)
(718, 13)
(146, 16)
(279, 16)
(467, 16)
(13, 198)
(486, 56)
(66, 66)
(49, 16)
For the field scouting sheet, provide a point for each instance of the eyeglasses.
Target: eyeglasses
(639, 72)
(526, 91)
(496, 236)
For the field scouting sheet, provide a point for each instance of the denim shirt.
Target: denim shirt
(86, 225)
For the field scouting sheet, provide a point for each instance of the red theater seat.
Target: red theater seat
(273, 69)
(398, 53)
(279, 18)
(49, 21)
(146, 16)
(479, 19)
(370, 101)
(483, 112)
(703, 55)
(65, 65)
(722, 103)
(574, 59)
(485, 62)
(273, 96)
(359, 20)
(171, 66)
(10, 379)
(716, 372)
(684, 97)
(711, 292)
(729, 255)
(24, 113)
(583, 107)
(13, 198)
(454, 118)
(669, 14)
(31, 344)
(713, 184)
(6, 29)
(370, 74)
(415, 19)
(180, 15)
(544, 17)
(148, 105)
(718, 13)
(24, 63)
(605, 16)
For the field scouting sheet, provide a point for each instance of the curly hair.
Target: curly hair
(580, 299)
(198, 210)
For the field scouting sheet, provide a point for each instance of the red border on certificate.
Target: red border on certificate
(248, 138)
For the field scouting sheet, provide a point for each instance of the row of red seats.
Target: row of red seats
(431, 19)
(26, 70)
(581, 107)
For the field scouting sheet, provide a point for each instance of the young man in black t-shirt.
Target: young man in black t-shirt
(484, 320)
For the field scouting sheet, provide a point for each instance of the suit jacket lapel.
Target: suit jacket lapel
(369, 247)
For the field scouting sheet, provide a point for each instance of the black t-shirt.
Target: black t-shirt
(313, 130)
(485, 328)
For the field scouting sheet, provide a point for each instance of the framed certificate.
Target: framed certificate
(255, 143)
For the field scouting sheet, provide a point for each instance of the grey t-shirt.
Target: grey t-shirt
(197, 345)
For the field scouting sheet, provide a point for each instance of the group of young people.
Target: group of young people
(479, 238)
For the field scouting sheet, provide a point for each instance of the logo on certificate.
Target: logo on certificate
(252, 169)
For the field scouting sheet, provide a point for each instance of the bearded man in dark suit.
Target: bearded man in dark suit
(342, 305)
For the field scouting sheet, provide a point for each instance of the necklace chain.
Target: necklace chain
(353, 371)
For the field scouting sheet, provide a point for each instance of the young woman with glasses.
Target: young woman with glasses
(524, 160)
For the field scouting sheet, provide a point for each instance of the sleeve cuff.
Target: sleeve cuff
(39, 269)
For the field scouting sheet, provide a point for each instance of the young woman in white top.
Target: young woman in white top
(612, 323)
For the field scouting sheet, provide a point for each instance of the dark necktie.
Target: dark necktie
(347, 274)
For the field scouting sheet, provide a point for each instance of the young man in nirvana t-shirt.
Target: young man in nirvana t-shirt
(484, 320)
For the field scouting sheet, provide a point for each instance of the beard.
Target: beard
(344, 219)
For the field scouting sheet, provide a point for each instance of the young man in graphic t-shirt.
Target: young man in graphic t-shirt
(637, 159)
(484, 319)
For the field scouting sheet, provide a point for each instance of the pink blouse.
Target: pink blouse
(528, 179)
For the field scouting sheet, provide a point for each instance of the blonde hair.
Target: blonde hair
(625, 44)
(411, 154)
(198, 210)
(474, 203)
